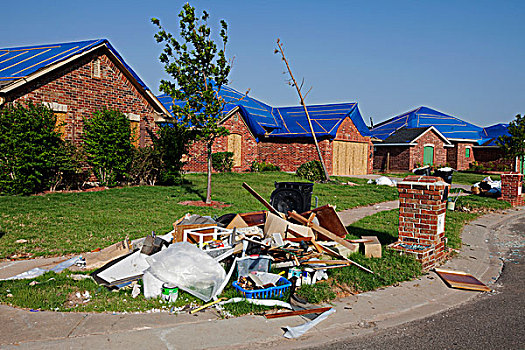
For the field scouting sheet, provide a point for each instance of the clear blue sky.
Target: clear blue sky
(465, 58)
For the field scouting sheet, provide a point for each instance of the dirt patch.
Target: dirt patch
(213, 204)
(89, 189)
(74, 299)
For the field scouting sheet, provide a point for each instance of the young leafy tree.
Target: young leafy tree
(514, 145)
(29, 145)
(107, 143)
(199, 70)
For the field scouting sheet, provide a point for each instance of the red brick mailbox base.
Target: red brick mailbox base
(422, 210)
(511, 188)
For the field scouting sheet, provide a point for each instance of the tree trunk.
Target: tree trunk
(208, 187)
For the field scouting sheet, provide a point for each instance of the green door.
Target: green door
(522, 165)
(428, 155)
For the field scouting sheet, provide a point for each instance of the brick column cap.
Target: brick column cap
(423, 180)
(511, 173)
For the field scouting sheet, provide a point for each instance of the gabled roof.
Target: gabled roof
(405, 135)
(451, 127)
(286, 122)
(491, 133)
(409, 136)
(20, 62)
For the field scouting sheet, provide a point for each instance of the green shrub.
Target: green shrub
(222, 161)
(311, 171)
(29, 145)
(107, 142)
(257, 167)
(145, 167)
(171, 143)
(70, 167)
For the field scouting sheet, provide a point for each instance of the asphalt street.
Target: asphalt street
(494, 320)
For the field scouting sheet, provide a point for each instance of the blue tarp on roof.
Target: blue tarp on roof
(451, 127)
(20, 62)
(287, 122)
(491, 133)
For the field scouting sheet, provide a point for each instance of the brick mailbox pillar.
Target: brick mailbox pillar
(511, 188)
(422, 210)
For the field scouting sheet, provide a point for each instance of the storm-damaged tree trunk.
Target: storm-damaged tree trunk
(298, 88)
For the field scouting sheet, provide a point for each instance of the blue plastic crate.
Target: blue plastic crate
(273, 292)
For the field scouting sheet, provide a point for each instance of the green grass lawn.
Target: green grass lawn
(62, 223)
(56, 291)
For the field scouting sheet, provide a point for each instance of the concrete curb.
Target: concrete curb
(355, 315)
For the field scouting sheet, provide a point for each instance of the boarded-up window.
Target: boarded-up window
(134, 122)
(235, 146)
(60, 125)
(350, 158)
(135, 133)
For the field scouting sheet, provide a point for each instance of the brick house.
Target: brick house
(281, 136)
(76, 79)
(465, 142)
(409, 148)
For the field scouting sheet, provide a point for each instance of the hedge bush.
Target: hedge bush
(257, 167)
(29, 147)
(107, 142)
(222, 161)
(311, 171)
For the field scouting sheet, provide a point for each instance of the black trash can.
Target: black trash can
(445, 174)
(424, 171)
(289, 196)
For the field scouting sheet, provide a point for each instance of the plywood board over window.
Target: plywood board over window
(235, 146)
(60, 124)
(134, 122)
(350, 158)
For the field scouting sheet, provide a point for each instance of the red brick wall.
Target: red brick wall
(235, 124)
(456, 155)
(399, 158)
(416, 152)
(74, 86)
(492, 155)
(289, 154)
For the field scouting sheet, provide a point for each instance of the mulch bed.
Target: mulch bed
(213, 204)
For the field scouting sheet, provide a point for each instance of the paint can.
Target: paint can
(170, 292)
(451, 205)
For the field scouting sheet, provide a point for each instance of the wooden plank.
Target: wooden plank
(327, 262)
(318, 310)
(328, 219)
(462, 280)
(261, 199)
(323, 231)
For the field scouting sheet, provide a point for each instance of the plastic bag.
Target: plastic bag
(189, 268)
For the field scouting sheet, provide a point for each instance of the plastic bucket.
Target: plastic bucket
(170, 293)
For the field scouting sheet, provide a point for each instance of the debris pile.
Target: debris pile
(487, 187)
(264, 255)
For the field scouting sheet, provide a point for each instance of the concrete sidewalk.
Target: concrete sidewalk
(355, 315)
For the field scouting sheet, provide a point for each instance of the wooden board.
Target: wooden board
(350, 158)
(178, 234)
(235, 146)
(328, 219)
(462, 280)
(318, 310)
